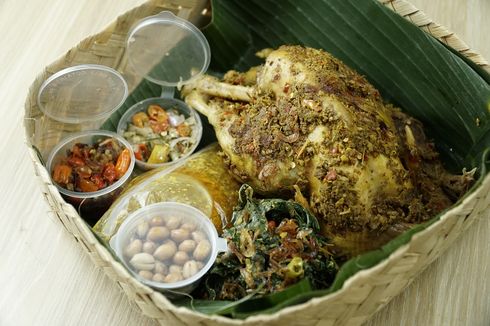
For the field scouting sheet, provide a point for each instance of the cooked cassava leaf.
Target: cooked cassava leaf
(273, 244)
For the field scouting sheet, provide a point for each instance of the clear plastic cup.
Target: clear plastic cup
(167, 50)
(91, 205)
(131, 230)
(166, 103)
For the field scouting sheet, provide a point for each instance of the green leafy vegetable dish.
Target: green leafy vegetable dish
(274, 243)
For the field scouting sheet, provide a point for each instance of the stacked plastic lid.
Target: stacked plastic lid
(164, 49)
(82, 93)
(167, 50)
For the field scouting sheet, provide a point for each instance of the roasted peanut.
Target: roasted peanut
(146, 274)
(173, 277)
(166, 250)
(202, 251)
(133, 248)
(175, 269)
(187, 245)
(157, 233)
(198, 236)
(160, 268)
(179, 235)
(157, 221)
(189, 226)
(180, 257)
(190, 268)
(158, 277)
(143, 261)
(173, 222)
(149, 247)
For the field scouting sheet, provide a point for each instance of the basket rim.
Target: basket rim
(81, 229)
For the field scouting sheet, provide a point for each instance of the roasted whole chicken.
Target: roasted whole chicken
(305, 124)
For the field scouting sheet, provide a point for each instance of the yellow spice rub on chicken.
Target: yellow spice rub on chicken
(305, 121)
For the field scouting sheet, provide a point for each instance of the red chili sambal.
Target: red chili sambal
(88, 168)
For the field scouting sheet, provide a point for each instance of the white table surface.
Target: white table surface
(47, 279)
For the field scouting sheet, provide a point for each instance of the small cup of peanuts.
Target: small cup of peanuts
(168, 246)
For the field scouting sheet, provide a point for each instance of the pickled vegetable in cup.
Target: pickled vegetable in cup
(161, 131)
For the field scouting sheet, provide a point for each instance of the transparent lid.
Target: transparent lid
(82, 93)
(167, 50)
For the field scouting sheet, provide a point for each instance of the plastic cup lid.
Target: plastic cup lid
(167, 50)
(82, 93)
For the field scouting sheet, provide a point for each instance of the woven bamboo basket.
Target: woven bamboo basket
(361, 295)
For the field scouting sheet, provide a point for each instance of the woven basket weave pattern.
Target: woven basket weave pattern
(361, 296)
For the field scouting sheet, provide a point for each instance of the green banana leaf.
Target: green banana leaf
(431, 82)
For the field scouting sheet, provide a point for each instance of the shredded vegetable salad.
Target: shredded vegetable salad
(160, 135)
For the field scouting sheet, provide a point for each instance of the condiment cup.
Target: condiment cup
(167, 104)
(133, 229)
(91, 205)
